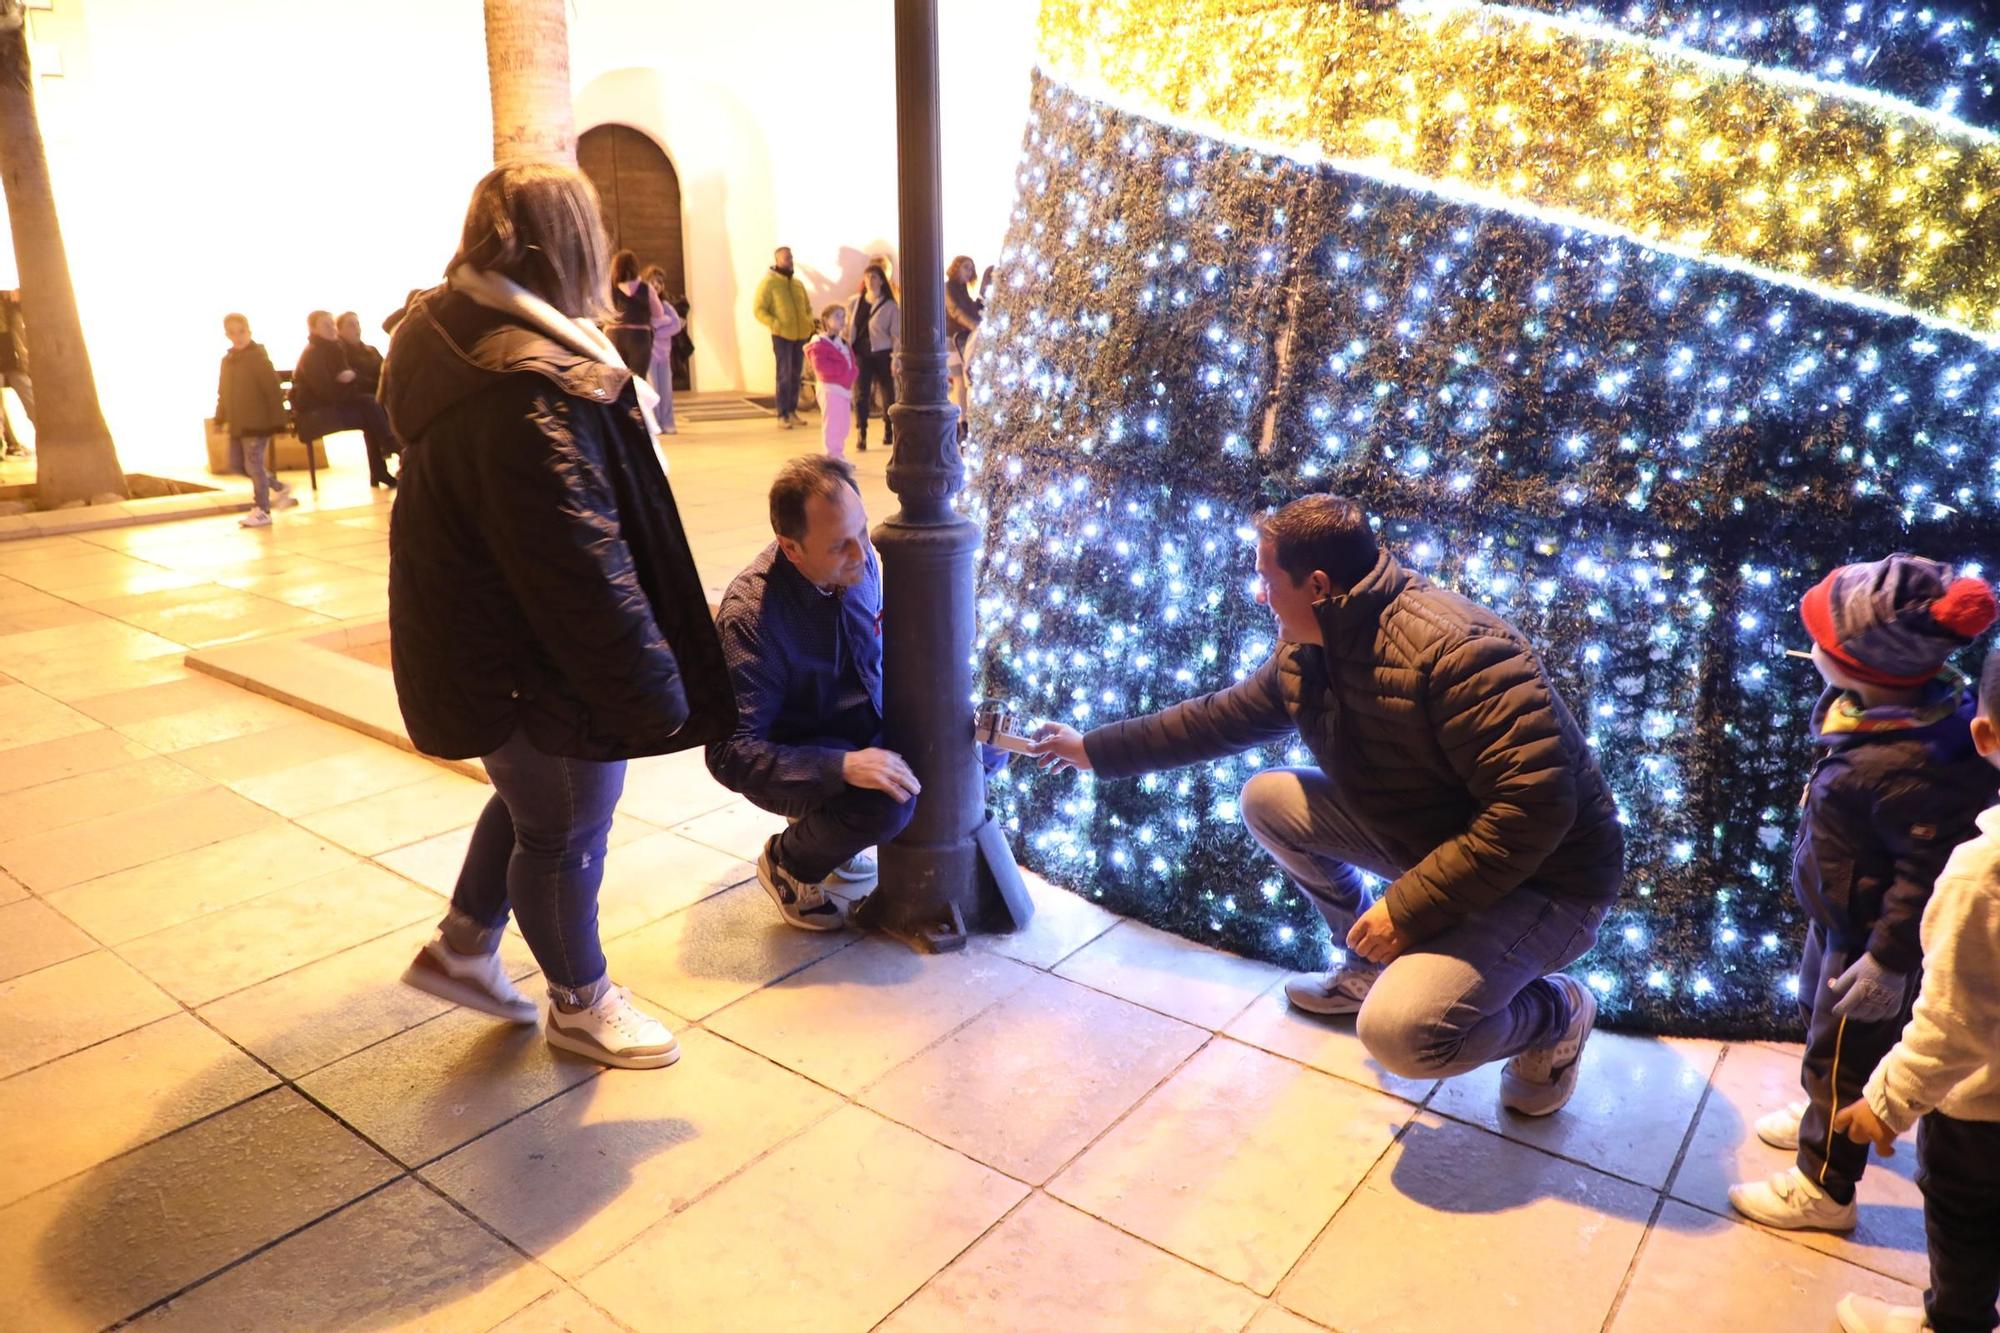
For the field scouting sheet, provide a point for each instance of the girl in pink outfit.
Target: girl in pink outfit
(666, 323)
(835, 367)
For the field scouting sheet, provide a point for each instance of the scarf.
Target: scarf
(498, 292)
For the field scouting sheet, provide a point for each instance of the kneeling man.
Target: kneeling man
(802, 631)
(1446, 765)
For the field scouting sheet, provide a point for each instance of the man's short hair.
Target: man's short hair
(798, 482)
(234, 318)
(316, 316)
(1989, 685)
(1327, 532)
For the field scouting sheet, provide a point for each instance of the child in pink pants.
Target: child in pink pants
(835, 367)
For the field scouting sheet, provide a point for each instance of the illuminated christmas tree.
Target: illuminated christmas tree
(1629, 325)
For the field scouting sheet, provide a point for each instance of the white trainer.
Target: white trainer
(256, 518)
(1865, 1314)
(1790, 1202)
(615, 1032)
(1780, 1128)
(1340, 991)
(1541, 1081)
(284, 500)
(477, 981)
(859, 868)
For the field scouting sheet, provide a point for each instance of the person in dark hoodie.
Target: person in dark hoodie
(327, 397)
(363, 360)
(1898, 785)
(250, 406)
(545, 613)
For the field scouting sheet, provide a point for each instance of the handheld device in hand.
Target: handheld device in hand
(992, 726)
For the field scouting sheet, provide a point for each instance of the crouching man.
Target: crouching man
(1447, 766)
(802, 631)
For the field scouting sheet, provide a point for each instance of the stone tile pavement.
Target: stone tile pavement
(219, 1111)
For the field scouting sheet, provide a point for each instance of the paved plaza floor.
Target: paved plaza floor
(219, 1111)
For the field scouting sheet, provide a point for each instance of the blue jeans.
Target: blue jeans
(539, 849)
(827, 833)
(1473, 993)
(257, 462)
(791, 356)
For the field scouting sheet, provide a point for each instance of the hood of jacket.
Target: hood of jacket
(449, 347)
(1941, 721)
(1353, 616)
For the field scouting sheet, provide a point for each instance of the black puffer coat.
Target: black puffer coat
(539, 576)
(1436, 718)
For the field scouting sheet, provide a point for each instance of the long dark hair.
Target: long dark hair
(624, 268)
(888, 292)
(538, 224)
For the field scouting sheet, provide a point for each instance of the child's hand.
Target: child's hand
(1862, 1125)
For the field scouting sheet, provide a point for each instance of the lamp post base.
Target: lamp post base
(928, 907)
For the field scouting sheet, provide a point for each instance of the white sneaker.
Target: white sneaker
(1541, 1081)
(615, 1032)
(801, 904)
(859, 868)
(1340, 991)
(477, 981)
(256, 518)
(284, 500)
(1865, 1314)
(1780, 1128)
(1790, 1202)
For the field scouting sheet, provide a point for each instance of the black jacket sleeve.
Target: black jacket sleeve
(748, 760)
(551, 521)
(314, 374)
(1917, 821)
(1495, 717)
(1242, 717)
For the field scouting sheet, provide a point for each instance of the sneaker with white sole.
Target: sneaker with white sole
(477, 981)
(1790, 1202)
(1780, 1128)
(283, 500)
(1541, 1081)
(801, 904)
(614, 1032)
(859, 868)
(1340, 991)
(256, 518)
(1866, 1314)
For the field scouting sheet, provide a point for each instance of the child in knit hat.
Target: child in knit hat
(1946, 1069)
(1896, 788)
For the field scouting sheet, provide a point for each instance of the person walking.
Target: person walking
(666, 328)
(784, 308)
(964, 312)
(545, 613)
(250, 406)
(877, 324)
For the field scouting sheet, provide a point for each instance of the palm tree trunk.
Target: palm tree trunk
(75, 458)
(527, 64)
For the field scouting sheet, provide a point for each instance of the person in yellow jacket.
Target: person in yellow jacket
(783, 308)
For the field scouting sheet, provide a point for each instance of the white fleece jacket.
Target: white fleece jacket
(1949, 1056)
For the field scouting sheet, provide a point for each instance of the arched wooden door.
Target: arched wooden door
(642, 202)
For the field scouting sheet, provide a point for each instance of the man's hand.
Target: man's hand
(880, 770)
(1058, 747)
(345, 377)
(1860, 1123)
(1376, 937)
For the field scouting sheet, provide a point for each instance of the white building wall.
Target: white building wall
(278, 157)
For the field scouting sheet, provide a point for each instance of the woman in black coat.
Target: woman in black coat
(544, 609)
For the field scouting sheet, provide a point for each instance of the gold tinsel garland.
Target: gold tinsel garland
(1857, 196)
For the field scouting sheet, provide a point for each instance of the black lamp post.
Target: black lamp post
(951, 872)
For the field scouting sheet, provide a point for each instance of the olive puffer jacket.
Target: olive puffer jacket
(1437, 717)
(539, 576)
